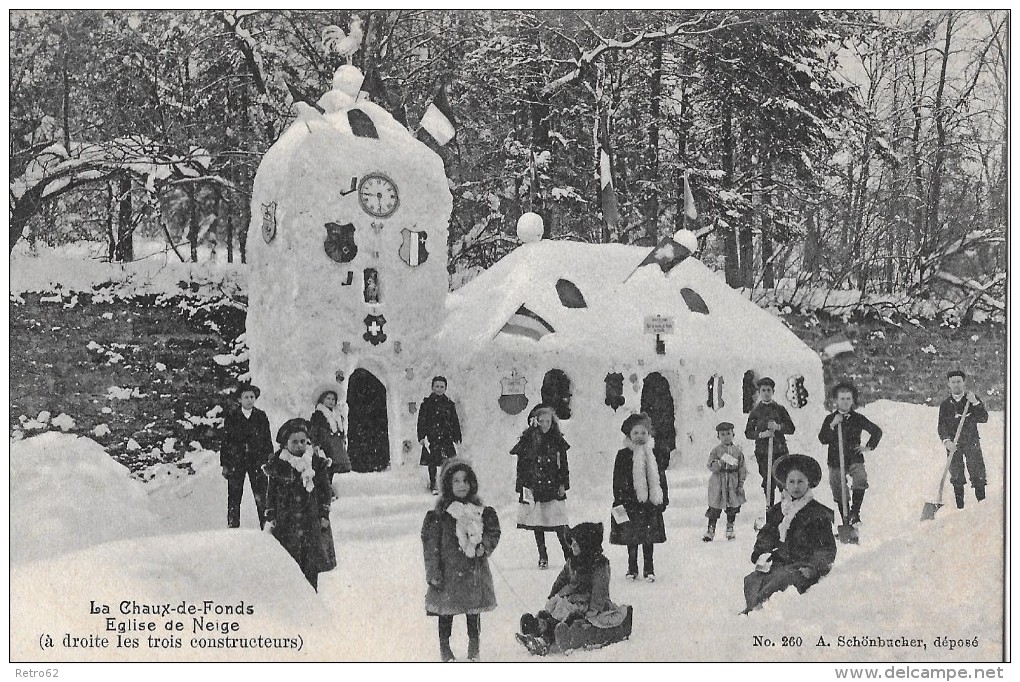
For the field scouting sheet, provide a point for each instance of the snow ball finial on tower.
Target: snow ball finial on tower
(530, 227)
(347, 82)
(686, 239)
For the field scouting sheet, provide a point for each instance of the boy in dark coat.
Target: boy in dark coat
(768, 420)
(438, 429)
(853, 424)
(796, 546)
(968, 449)
(298, 499)
(638, 501)
(247, 444)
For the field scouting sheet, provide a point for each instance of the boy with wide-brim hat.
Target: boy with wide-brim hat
(247, 444)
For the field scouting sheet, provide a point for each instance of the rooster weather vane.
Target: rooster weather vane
(336, 41)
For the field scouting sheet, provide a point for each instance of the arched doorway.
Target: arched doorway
(368, 438)
(657, 403)
(556, 392)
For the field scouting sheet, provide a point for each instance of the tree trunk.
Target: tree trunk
(242, 228)
(682, 131)
(652, 218)
(193, 222)
(111, 237)
(125, 251)
(228, 208)
(939, 164)
(731, 246)
(767, 243)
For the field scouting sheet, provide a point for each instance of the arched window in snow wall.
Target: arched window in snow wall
(694, 301)
(361, 124)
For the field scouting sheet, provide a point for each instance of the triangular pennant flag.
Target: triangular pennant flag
(524, 322)
(438, 118)
(299, 96)
(690, 211)
(610, 206)
(533, 188)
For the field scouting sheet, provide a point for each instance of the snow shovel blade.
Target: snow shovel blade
(847, 534)
(928, 512)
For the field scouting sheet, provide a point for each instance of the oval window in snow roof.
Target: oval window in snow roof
(694, 301)
(570, 295)
(361, 124)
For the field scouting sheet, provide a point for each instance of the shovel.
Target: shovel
(846, 532)
(759, 522)
(929, 509)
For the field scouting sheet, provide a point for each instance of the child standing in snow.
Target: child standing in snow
(768, 420)
(543, 479)
(328, 432)
(726, 486)
(438, 429)
(247, 444)
(968, 448)
(853, 423)
(795, 546)
(298, 499)
(637, 497)
(580, 592)
(458, 537)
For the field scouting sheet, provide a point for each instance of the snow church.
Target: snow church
(349, 288)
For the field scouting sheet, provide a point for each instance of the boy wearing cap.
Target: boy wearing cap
(853, 424)
(726, 485)
(247, 444)
(968, 447)
(768, 420)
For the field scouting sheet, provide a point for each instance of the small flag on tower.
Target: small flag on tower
(610, 206)
(299, 96)
(836, 346)
(375, 89)
(690, 211)
(524, 322)
(438, 119)
(668, 254)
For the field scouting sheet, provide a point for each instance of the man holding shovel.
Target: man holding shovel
(966, 448)
(841, 432)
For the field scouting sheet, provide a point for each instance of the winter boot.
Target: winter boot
(445, 652)
(958, 489)
(710, 533)
(855, 507)
(730, 533)
(472, 652)
(979, 492)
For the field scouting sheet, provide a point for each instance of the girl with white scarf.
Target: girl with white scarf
(796, 546)
(638, 499)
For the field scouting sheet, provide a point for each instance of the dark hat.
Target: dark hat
(723, 426)
(956, 373)
(241, 388)
(765, 381)
(588, 536)
(845, 386)
(290, 427)
(807, 465)
(633, 420)
(440, 378)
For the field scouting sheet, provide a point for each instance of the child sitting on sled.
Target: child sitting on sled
(579, 601)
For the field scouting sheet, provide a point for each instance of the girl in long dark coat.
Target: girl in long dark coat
(796, 546)
(457, 538)
(438, 429)
(329, 433)
(638, 500)
(298, 499)
(543, 479)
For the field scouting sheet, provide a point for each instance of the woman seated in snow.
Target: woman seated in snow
(796, 546)
(298, 499)
(580, 592)
(328, 432)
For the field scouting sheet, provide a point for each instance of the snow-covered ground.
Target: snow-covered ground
(82, 531)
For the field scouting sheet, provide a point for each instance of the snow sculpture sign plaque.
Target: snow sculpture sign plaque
(513, 400)
(412, 248)
(374, 333)
(269, 221)
(339, 243)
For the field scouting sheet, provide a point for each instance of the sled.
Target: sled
(580, 635)
(929, 509)
(846, 532)
(759, 522)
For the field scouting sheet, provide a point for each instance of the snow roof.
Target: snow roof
(612, 324)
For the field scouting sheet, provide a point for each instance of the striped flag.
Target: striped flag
(666, 255)
(524, 322)
(690, 210)
(836, 346)
(438, 119)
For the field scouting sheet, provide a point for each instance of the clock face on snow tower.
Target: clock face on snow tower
(377, 195)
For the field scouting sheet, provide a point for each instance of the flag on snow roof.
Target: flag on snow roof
(836, 346)
(298, 96)
(690, 211)
(438, 119)
(610, 206)
(373, 87)
(524, 322)
(668, 254)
